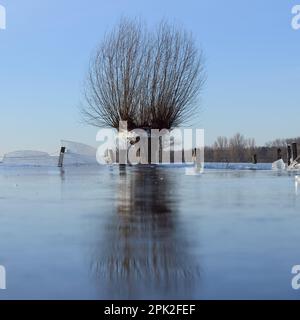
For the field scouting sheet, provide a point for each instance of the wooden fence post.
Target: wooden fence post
(295, 152)
(289, 154)
(61, 157)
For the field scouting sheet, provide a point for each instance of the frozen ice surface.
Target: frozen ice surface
(78, 154)
(98, 232)
(79, 148)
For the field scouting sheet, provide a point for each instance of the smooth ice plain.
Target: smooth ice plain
(148, 233)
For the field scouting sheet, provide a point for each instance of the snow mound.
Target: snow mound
(28, 158)
(278, 165)
(76, 154)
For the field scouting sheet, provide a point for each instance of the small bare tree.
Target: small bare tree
(220, 148)
(237, 145)
(151, 79)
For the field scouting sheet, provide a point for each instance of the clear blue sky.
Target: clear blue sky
(252, 53)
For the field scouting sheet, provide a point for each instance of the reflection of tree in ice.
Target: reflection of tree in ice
(144, 246)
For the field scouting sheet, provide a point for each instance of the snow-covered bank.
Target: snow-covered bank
(72, 160)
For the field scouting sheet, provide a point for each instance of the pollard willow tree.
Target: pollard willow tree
(149, 78)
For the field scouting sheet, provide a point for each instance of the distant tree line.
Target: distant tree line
(241, 149)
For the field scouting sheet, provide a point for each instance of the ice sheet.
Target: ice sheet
(106, 232)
